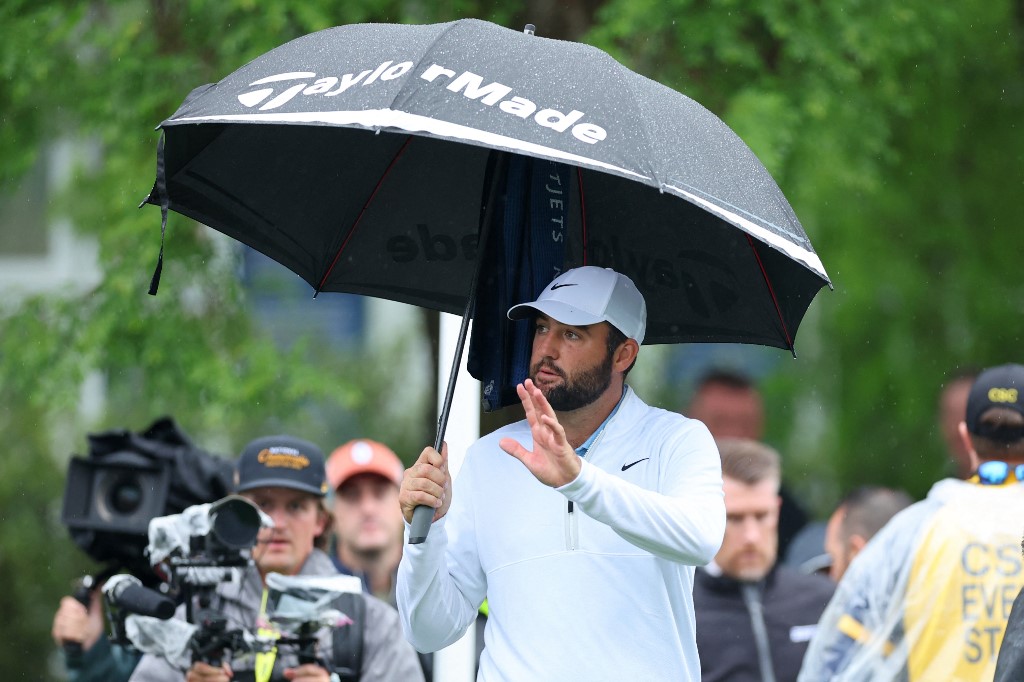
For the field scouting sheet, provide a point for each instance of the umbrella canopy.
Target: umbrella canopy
(376, 159)
(357, 156)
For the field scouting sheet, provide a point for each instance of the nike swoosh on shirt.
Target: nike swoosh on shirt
(559, 286)
(626, 466)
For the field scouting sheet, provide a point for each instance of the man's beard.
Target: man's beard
(580, 390)
(368, 554)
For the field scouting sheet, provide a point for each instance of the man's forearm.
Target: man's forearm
(434, 610)
(685, 528)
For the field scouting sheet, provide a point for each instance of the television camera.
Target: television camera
(126, 479)
(156, 511)
(202, 547)
(197, 550)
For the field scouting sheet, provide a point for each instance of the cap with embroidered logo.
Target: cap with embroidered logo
(589, 295)
(1001, 386)
(363, 456)
(281, 462)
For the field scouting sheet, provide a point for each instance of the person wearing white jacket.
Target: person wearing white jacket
(580, 525)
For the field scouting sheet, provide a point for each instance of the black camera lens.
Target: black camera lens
(125, 495)
(235, 522)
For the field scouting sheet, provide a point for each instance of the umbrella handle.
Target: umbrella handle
(421, 518)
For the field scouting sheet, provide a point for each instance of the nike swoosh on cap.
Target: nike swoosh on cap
(626, 466)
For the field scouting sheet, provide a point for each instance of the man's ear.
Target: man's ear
(625, 354)
(855, 544)
(968, 446)
(323, 520)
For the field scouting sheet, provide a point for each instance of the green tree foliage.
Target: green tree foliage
(103, 75)
(894, 129)
(35, 569)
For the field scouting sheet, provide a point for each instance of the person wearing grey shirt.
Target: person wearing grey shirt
(285, 477)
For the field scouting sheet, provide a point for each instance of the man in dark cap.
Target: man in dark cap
(285, 477)
(929, 596)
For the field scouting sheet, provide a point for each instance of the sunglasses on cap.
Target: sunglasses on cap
(996, 473)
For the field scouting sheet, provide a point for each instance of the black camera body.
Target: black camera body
(118, 493)
(129, 478)
(108, 503)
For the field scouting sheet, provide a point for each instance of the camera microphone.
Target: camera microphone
(125, 591)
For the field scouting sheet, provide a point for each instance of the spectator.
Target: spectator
(952, 403)
(806, 552)
(754, 617)
(857, 518)
(730, 405)
(929, 596)
(367, 541)
(584, 545)
(365, 476)
(95, 659)
(285, 477)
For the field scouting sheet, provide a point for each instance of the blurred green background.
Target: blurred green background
(895, 129)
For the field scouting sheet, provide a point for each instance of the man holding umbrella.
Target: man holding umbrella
(583, 523)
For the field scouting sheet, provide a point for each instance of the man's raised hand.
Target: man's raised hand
(553, 460)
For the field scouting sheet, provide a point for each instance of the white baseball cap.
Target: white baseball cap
(589, 295)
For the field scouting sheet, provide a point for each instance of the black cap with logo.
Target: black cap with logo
(281, 462)
(1001, 386)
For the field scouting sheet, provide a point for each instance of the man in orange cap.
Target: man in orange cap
(365, 476)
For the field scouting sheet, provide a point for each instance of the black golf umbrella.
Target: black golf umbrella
(461, 166)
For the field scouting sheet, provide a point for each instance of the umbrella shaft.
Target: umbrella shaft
(498, 170)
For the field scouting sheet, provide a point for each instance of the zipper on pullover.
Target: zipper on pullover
(572, 528)
(572, 525)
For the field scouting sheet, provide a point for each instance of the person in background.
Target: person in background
(581, 524)
(95, 659)
(365, 476)
(928, 598)
(860, 514)
(754, 616)
(806, 552)
(285, 477)
(730, 405)
(952, 403)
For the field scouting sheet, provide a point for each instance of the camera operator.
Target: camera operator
(285, 477)
(94, 658)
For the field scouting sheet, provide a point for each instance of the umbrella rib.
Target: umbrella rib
(407, 84)
(771, 292)
(583, 212)
(366, 205)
